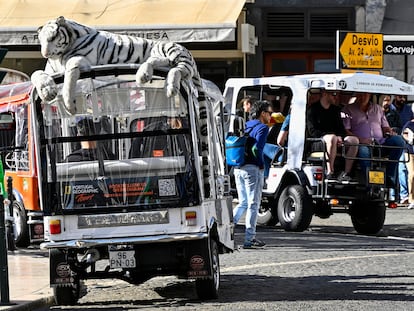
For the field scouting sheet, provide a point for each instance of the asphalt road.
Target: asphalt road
(328, 267)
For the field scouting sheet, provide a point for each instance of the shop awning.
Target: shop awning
(174, 20)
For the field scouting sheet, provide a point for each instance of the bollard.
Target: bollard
(4, 270)
(11, 243)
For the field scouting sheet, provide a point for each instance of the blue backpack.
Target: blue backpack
(237, 147)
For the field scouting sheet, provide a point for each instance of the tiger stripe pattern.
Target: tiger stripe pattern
(70, 47)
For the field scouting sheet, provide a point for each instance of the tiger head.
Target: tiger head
(55, 38)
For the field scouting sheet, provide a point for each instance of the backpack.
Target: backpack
(237, 147)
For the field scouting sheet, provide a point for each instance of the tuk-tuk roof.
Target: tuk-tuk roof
(348, 82)
(13, 95)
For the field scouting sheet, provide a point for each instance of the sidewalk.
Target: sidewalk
(28, 280)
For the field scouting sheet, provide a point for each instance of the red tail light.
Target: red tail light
(318, 176)
(55, 227)
(191, 218)
(392, 205)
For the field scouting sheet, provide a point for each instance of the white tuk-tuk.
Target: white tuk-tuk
(296, 187)
(122, 184)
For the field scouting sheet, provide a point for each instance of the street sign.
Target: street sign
(357, 50)
(398, 44)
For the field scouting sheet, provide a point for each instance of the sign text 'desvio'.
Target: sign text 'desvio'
(359, 50)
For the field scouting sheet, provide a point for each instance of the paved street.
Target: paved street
(328, 267)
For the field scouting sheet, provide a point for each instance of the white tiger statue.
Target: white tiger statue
(70, 47)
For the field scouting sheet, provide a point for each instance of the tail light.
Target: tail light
(55, 226)
(191, 218)
(318, 176)
(392, 205)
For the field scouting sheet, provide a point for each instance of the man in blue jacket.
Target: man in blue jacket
(249, 177)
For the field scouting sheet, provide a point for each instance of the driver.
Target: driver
(89, 149)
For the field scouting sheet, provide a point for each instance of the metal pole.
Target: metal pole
(4, 270)
(11, 245)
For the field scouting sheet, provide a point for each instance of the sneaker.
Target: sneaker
(344, 177)
(410, 206)
(254, 244)
(404, 200)
(331, 176)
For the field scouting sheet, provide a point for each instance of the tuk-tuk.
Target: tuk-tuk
(297, 187)
(121, 183)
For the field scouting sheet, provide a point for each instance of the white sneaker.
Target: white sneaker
(404, 200)
(410, 206)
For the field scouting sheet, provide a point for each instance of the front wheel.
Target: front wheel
(294, 208)
(21, 229)
(209, 288)
(67, 294)
(368, 217)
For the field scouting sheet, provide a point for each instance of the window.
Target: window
(287, 63)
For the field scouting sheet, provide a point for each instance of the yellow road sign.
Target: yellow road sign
(361, 50)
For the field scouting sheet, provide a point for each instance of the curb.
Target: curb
(33, 305)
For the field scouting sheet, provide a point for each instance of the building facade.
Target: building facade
(299, 36)
(289, 36)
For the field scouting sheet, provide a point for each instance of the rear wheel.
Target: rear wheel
(294, 208)
(21, 229)
(368, 217)
(67, 294)
(209, 288)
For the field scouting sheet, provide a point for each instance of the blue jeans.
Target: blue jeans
(403, 177)
(249, 183)
(393, 154)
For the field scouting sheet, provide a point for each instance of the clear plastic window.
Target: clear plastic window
(125, 146)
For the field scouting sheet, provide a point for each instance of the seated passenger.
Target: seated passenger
(89, 149)
(161, 145)
(272, 149)
(282, 138)
(324, 121)
(367, 121)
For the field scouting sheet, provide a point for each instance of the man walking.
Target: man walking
(249, 177)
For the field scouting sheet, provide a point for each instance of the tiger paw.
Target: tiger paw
(173, 81)
(144, 73)
(171, 90)
(69, 100)
(44, 84)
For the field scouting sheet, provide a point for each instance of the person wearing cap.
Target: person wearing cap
(249, 177)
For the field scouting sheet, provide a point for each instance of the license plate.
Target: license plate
(376, 177)
(122, 259)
